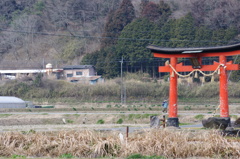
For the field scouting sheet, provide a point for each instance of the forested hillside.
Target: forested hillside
(34, 32)
(102, 32)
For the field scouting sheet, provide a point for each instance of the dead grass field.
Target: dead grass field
(91, 144)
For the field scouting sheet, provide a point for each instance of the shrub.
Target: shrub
(139, 156)
(100, 121)
(208, 90)
(120, 121)
(109, 91)
(187, 107)
(199, 117)
(166, 78)
(69, 121)
(18, 156)
(67, 155)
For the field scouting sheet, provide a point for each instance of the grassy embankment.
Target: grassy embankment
(139, 90)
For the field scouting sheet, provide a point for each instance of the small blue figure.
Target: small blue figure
(165, 106)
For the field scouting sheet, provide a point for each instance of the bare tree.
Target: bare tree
(216, 13)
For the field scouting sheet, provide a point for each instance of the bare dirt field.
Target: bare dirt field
(101, 116)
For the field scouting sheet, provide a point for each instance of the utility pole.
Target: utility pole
(121, 82)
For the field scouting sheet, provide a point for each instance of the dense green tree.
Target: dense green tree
(184, 32)
(163, 34)
(218, 37)
(138, 35)
(203, 37)
(97, 59)
(111, 65)
(230, 33)
(109, 34)
(164, 7)
(116, 22)
(105, 61)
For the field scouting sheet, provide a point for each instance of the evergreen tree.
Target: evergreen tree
(164, 7)
(218, 37)
(105, 62)
(109, 33)
(164, 33)
(155, 12)
(143, 4)
(230, 34)
(203, 37)
(111, 63)
(151, 11)
(139, 32)
(184, 32)
(116, 22)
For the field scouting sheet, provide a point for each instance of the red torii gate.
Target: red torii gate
(196, 54)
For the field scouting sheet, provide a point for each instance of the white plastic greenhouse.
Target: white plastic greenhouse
(11, 102)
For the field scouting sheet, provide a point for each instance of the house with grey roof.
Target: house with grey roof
(73, 73)
(82, 74)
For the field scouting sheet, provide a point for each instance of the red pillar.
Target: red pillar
(224, 108)
(173, 90)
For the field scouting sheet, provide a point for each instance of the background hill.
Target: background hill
(101, 32)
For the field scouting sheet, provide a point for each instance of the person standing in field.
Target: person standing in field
(165, 106)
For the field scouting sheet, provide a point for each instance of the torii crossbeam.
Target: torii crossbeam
(196, 55)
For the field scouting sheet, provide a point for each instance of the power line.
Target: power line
(100, 37)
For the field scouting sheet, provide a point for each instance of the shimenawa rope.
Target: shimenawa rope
(196, 70)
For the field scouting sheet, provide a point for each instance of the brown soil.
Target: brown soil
(46, 119)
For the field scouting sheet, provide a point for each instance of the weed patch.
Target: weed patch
(5, 115)
(120, 121)
(67, 155)
(101, 121)
(69, 121)
(139, 156)
(18, 156)
(199, 117)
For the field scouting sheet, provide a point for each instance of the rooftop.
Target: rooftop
(227, 48)
(9, 99)
(77, 67)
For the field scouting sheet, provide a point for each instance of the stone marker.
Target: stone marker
(154, 122)
(216, 123)
(236, 124)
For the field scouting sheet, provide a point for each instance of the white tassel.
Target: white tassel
(203, 79)
(167, 63)
(196, 75)
(212, 79)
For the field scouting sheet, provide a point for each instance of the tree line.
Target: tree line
(127, 36)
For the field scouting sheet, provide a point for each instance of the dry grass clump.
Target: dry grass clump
(92, 144)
